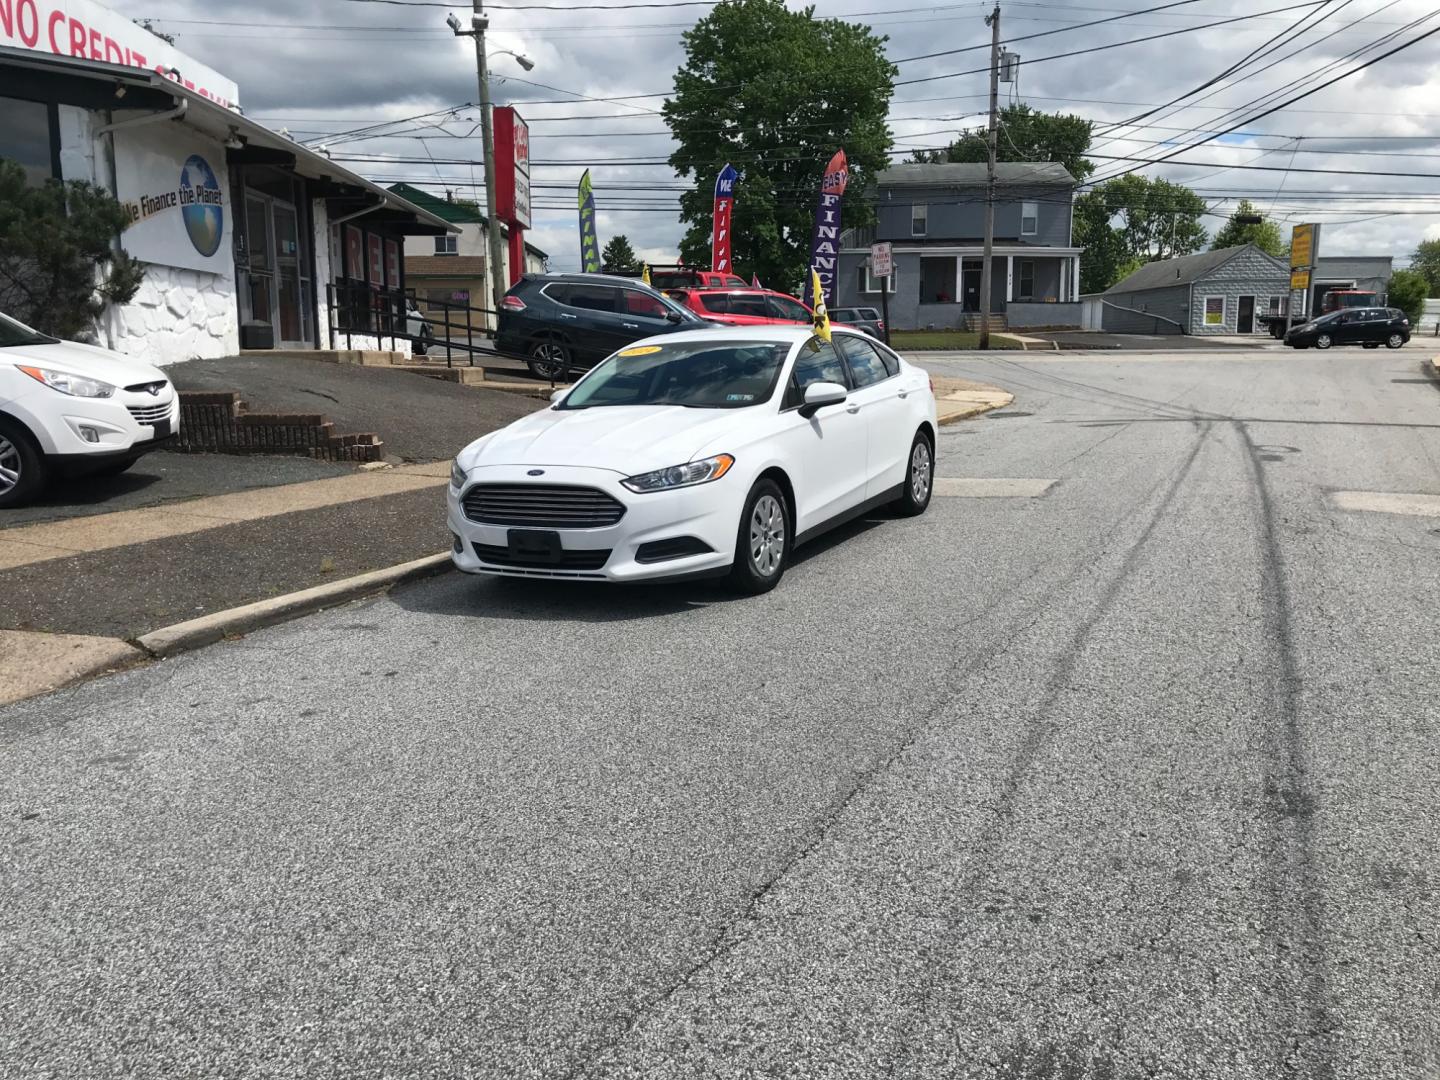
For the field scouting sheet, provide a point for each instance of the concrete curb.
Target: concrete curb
(1431, 367)
(241, 620)
(967, 411)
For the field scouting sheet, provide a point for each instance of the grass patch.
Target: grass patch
(947, 339)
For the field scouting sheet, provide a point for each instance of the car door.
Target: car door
(881, 398)
(594, 311)
(643, 315)
(1349, 329)
(828, 449)
(1377, 326)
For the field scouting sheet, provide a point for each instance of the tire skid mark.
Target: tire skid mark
(989, 841)
(1293, 914)
(964, 666)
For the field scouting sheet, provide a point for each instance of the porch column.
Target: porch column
(1009, 278)
(1075, 270)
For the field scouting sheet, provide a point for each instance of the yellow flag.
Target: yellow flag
(645, 273)
(822, 317)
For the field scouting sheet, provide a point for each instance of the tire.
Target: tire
(549, 359)
(22, 466)
(759, 564)
(919, 478)
(1323, 341)
(422, 347)
(1394, 341)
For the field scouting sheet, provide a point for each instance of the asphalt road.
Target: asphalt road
(1134, 779)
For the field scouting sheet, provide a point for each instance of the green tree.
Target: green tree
(1131, 220)
(1025, 135)
(58, 266)
(619, 255)
(1407, 291)
(1265, 234)
(1426, 260)
(775, 93)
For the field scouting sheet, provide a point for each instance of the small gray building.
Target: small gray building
(1214, 292)
(933, 215)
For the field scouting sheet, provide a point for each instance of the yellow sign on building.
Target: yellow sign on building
(1299, 279)
(1303, 243)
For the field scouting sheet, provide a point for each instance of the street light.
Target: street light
(478, 25)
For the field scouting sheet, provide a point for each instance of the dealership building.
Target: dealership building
(250, 240)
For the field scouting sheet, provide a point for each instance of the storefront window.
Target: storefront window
(377, 265)
(392, 264)
(25, 138)
(354, 253)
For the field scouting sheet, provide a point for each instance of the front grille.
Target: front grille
(150, 414)
(580, 559)
(542, 506)
(676, 547)
(148, 387)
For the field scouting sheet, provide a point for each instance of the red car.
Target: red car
(744, 307)
(665, 278)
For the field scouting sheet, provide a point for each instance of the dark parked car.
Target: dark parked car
(565, 322)
(1370, 327)
(861, 318)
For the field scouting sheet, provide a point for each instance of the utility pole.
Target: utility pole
(487, 137)
(993, 21)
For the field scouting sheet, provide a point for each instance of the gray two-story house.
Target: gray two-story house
(934, 218)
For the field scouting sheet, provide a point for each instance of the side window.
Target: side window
(592, 297)
(749, 304)
(865, 362)
(643, 304)
(719, 303)
(793, 310)
(817, 362)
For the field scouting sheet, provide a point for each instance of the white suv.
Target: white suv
(67, 408)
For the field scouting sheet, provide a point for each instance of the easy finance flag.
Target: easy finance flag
(825, 244)
(822, 314)
(720, 241)
(589, 243)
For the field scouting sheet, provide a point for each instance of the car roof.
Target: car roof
(779, 333)
(615, 280)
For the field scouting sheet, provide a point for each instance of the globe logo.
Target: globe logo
(202, 205)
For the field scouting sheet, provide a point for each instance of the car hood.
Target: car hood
(87, 360)
(626, 439)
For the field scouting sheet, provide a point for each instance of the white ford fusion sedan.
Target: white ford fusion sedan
(701, 453)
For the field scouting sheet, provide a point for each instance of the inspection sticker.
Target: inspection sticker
(639, 350)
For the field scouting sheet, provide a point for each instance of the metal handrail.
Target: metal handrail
(357, 309)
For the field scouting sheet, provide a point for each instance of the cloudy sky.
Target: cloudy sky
(329, 66)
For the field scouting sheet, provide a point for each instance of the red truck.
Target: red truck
(1334, 300)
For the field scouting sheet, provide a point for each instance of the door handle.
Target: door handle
(566, 315)
(904, 393)
(631, 326)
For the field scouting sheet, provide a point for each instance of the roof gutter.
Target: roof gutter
(182, 106)
(384, 202)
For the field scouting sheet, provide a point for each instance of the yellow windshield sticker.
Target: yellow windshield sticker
(639, 350)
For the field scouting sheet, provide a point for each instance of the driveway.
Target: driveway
(419, 419)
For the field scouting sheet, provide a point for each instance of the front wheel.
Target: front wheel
(22, 468)
(1394, 341)
(422, 347)
(919, 478)
(549, 359)
(762, 545)
(1324, 341)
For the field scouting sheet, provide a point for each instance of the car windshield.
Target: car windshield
(14, 333)
(695, 374)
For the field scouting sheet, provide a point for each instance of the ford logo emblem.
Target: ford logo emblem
(536, 472)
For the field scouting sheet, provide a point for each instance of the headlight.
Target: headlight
(74, 385)
(457, 475)
(687, 475)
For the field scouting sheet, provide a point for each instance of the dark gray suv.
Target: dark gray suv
(570, 322)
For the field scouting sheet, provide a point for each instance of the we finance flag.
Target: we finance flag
(720, 240)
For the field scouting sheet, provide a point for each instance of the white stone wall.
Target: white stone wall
(177, 315)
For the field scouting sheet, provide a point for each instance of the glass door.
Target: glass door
(291, 328)
(260, 265)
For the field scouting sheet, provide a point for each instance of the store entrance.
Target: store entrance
(277, 267)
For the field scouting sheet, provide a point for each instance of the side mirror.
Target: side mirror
(559, 394)
(674, 317)
(820, 394)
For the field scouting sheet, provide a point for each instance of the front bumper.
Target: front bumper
(104, 428)
(708, 512)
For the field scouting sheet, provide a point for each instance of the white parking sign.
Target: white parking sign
(881, 261)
